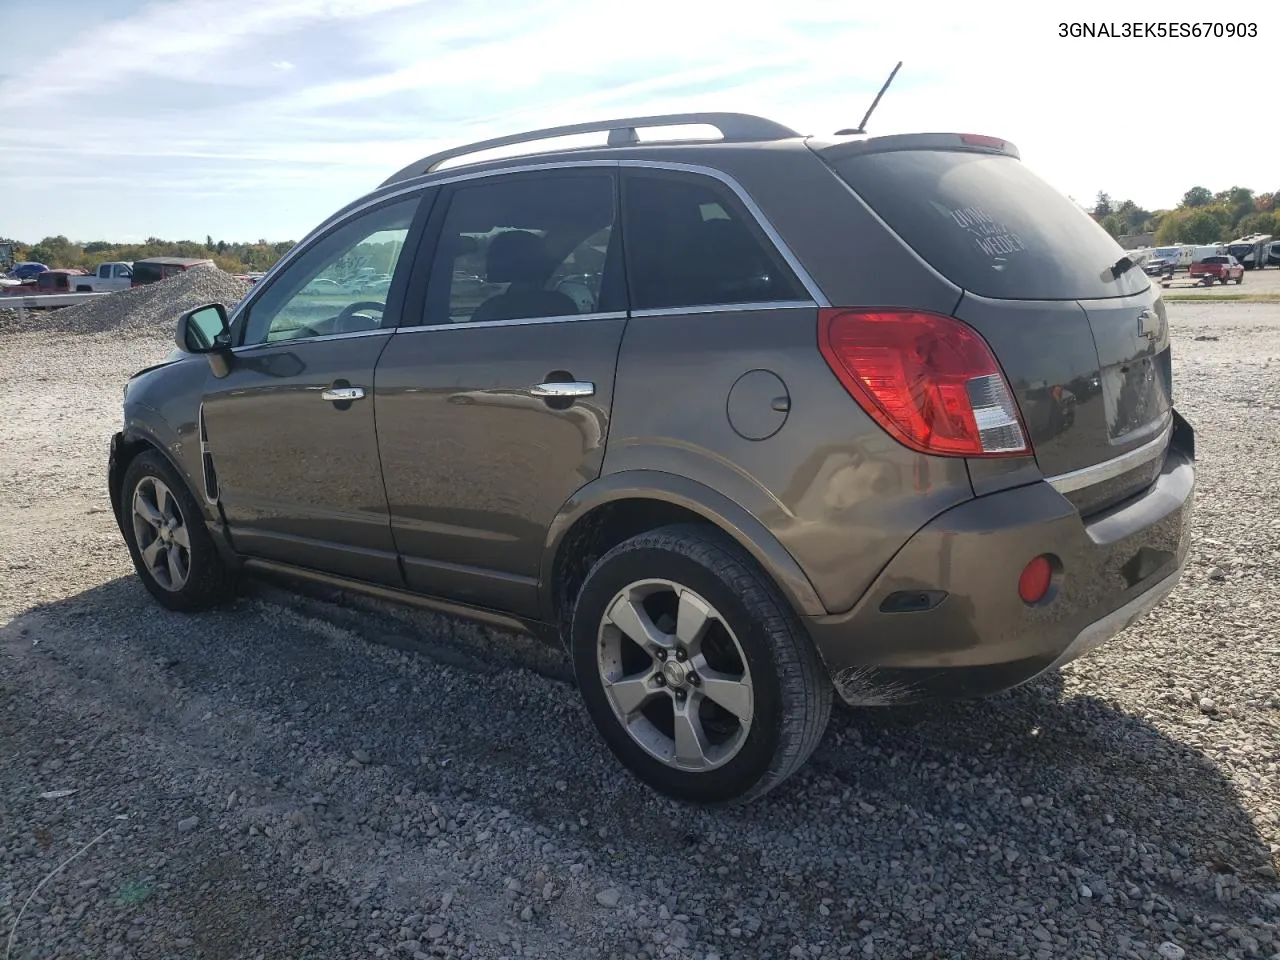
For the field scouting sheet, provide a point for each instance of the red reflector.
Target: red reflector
(978, 140)
(929, 380)
(1035, 579)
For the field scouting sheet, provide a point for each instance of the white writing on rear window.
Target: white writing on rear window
(992, 237)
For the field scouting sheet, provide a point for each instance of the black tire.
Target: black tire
(792, 694)
(209, 580)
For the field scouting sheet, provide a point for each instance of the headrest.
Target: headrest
(517, 256)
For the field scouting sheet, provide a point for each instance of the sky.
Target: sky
(180, 119)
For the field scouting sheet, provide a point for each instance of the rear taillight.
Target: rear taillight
(929, 380)
(978, 140)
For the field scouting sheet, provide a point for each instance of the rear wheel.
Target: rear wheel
(171, 548)
(694, 668)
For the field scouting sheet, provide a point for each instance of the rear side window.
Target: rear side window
(990, 225)
(527, 247)
(689, 243)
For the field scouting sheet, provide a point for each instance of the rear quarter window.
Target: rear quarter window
(990, 225)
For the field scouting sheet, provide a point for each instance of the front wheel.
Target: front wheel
(694, 669)
(171, 548)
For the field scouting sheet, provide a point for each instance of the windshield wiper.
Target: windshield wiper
(1120, 268)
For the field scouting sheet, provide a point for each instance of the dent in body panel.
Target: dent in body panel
(299, 478)
(163, 404)
(476, 468)
(711, 504)
(837, 492)
(1046, 351)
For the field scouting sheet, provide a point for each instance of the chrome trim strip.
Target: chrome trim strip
(726, 308)
(435, 180)
(248, 347)
(805, 278)
(1110, 469)
(518, 322)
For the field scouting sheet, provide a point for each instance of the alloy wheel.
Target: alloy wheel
(161, 534)
(675, 675)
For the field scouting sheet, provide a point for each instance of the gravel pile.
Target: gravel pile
(153, 308)
(307, 774)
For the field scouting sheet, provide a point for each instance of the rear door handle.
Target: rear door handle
(568, 390)
(343, 393)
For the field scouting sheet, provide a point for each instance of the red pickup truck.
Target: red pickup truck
(1220, 268)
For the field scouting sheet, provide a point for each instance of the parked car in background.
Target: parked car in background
(106, 278)
(26, 271)
(1223, 269)
(153, 269)
(747, 471)
(52, 281)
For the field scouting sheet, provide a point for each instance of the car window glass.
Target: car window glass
(339, 285)
(991, 226)
(688, 244)
(523, 248)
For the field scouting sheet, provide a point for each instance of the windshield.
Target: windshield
(990, 225)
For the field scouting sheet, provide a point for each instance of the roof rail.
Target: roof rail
(733, 127)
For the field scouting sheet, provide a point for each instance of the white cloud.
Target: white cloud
(326, 98)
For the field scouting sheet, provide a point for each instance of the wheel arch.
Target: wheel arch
(138, 437)
(618, 506)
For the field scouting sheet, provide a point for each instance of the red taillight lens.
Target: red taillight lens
(929, 380)
(1035, 580)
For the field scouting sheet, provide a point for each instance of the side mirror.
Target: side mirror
(205, 330)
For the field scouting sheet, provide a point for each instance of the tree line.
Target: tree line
(59, 252)
(1202, 216)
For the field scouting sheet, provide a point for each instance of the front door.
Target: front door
(494, 403)
(291, 427)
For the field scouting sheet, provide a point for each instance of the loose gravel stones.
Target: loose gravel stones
(154, 306)
(373, 781)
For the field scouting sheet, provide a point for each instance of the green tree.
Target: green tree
(1200, 227)
(1115, 224)
(1102, 207)
(1266, 222)
(1197, 197)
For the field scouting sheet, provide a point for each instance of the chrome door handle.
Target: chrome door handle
(570, 389)
(343, 393)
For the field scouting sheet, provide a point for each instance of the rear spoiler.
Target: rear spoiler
(839, 147)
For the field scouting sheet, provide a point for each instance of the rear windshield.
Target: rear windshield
(990, 225)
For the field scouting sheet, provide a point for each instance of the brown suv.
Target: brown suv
(743, 421)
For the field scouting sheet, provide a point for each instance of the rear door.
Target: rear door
(494, 396)
(1084, 346)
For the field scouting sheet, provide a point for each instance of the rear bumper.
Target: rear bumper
(981, 638)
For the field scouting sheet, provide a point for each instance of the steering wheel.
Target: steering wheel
(350, 309)
(306, 332)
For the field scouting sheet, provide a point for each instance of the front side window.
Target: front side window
(519, 248)
(339, 285)
(690, 244)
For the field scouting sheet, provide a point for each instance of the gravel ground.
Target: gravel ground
(313, 775)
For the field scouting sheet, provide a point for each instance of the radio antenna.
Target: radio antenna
(862, 127)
